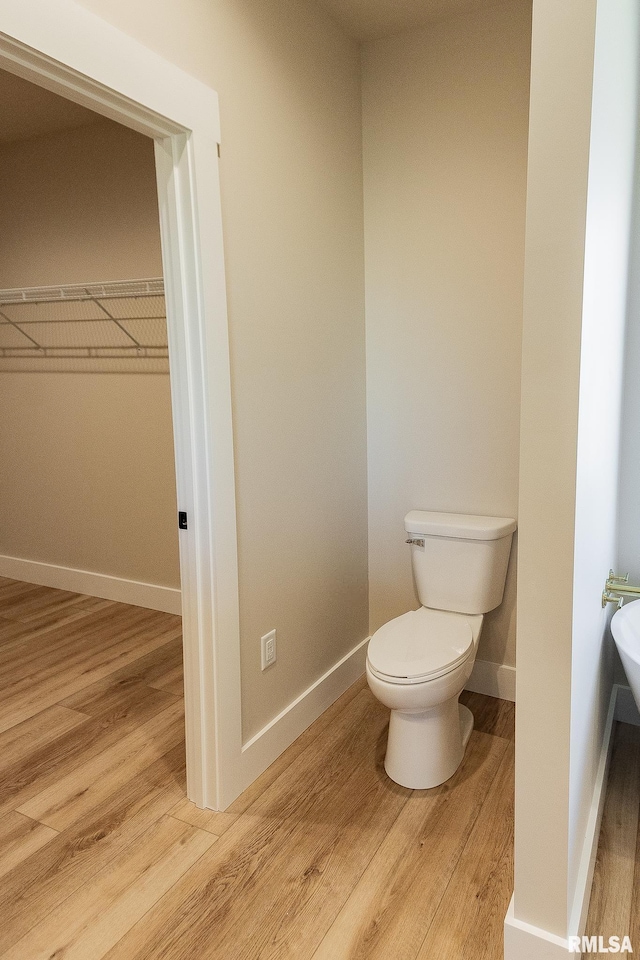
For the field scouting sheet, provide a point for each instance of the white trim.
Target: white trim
(584, 879)
(60, 45)
(150, 595)
(80, 68)
(493, 679)
(263, 748)
(522, 941)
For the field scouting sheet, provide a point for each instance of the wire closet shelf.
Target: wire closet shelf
(118, 320)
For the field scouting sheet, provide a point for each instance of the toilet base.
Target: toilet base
(426, 748)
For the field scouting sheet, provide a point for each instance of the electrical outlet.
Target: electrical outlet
(268, 649)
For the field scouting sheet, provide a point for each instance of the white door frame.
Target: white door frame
(60, 45)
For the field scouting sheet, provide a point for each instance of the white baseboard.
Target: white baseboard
(493, 679)
(584, 880)
(266, 746)
(522, 941)
(261, 750)
(166, 599)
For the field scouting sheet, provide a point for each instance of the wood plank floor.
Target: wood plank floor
(102, 857)
(614, 908)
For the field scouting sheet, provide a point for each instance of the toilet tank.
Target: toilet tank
(459, 561)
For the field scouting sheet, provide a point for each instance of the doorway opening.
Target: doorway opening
(89, 565)
(68, 51)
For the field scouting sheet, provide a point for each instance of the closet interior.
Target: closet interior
(118, 320)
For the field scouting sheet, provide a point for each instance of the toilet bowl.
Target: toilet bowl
(419, 663)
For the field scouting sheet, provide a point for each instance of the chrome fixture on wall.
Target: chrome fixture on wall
(617, 588)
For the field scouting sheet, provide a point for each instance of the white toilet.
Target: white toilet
(418, 663)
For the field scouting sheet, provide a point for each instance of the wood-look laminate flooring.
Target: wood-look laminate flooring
(614, 908)
(323, 858)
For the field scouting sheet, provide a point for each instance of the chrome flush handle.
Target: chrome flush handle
(417, 542)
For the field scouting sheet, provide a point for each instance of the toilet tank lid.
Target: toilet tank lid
(458, 525)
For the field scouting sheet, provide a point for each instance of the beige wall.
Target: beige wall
(291, 178)
(87, 476)
(445, 139)
(78, 206)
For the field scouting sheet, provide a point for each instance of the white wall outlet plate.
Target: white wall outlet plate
(268, 649)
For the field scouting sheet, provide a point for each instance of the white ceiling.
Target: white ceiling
(372, 19)
(29, 111)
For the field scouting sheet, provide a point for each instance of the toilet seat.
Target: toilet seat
(419, 646)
